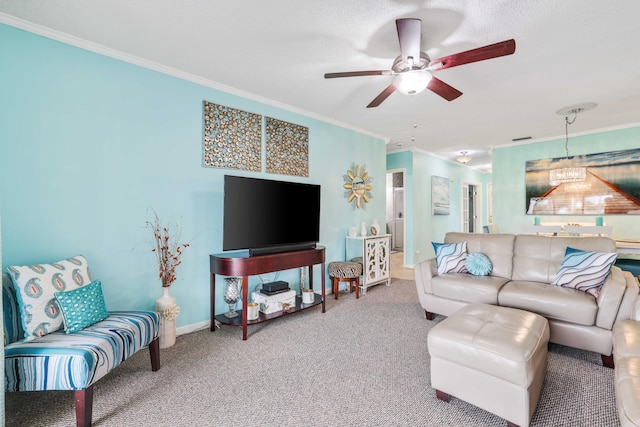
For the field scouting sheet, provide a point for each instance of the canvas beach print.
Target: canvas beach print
(440, 195)
(592, 184)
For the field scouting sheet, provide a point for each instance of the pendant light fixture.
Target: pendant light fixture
(568, 173)
(464, 157)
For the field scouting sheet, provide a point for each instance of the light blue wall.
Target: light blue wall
(89, 144)
(422, 227)
(509, 179)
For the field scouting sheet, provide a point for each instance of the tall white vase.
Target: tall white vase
(167, 331)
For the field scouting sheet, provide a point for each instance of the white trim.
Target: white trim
(561, 137)
(183, 330)
(514, 144)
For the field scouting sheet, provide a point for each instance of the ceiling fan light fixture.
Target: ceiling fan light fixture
(464, 158)
(412, 81)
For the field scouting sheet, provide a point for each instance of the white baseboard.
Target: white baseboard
(193, 327)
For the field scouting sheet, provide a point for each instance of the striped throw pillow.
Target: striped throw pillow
(450, 257)
(584, 271)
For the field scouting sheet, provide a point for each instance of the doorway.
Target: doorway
(471, 208)
(395, 213)
(396, 224)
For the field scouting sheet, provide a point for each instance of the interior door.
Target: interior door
(471, 210)
(471, 206)
(465, 208)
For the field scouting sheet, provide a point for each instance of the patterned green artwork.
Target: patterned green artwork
(232, 138)
(287, 148)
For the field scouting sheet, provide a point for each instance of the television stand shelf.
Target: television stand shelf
(239, 263)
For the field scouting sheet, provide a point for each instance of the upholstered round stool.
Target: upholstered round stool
(345, 271)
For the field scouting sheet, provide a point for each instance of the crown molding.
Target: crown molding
(154, 66)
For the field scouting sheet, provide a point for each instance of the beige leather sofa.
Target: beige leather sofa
(626, 353)
(523, 268)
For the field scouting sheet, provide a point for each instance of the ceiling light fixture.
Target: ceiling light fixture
(464, 158)
(568, 173)
(412, 81)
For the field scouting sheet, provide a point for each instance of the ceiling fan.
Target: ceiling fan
(413, 68)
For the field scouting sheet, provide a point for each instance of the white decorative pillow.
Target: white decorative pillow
(584, 271)
(35, 288)
(451, 257)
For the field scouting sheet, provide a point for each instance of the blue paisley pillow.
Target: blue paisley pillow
(35, 286)
(450, 257)
(82, 307)
(478, 264)
(584, 271)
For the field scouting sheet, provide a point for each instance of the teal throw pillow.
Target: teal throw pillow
(584, 271)
(478, 264)
(82, 307)
(450, 257)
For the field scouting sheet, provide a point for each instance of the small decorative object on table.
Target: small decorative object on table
(375, 227)
(232, 295)
(168, 252)
(253, 311)
(303, 279)
(308, 296)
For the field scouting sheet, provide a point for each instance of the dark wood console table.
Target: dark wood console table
(241, 264)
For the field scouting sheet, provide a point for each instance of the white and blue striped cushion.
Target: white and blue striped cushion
(450, 257)
(61, 361)
(584, 271)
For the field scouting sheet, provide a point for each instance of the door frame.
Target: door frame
(478, 205)
(389, 193)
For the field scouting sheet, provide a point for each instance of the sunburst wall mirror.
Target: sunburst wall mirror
(357, 184)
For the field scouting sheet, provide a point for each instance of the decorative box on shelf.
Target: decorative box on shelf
(273, 303)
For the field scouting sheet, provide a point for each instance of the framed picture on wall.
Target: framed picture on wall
(591, 184)
(440, 199)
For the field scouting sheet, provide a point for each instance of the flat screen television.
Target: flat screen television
(269, 216)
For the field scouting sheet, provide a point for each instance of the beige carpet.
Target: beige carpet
(364, 362)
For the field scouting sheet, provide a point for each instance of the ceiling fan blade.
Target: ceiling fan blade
(357, 74)
(383, 95)
(495, 50)
(439, 87)
(409, 36)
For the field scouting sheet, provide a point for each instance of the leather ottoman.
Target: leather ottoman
(492, 357)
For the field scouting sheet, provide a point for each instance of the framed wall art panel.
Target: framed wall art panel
(287, 148)
(591, 184)
(440, 197)
(232, 138)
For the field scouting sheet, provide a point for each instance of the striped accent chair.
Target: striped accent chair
(75, 361)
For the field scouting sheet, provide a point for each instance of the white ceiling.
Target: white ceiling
(567, 52)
